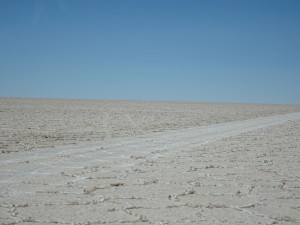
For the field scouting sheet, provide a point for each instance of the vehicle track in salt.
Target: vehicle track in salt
(51, 161)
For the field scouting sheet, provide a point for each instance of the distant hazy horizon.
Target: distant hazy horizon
(192, 51)
(144, 100)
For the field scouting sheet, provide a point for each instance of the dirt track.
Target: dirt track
(27, 124)
(220, 174)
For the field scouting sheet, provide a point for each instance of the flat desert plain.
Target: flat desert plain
(131, 162)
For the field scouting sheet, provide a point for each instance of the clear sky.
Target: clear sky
(179, 50)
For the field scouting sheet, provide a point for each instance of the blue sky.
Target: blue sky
(178, 50)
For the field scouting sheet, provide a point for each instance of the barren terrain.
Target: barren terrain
(31, 123)
(148, 163)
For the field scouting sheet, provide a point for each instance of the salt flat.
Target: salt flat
(235, 168)
(26, 124)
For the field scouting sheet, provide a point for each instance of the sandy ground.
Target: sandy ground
(239, 172)
(26, 124)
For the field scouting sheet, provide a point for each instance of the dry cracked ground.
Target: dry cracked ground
(250, 178)
(27, 124)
